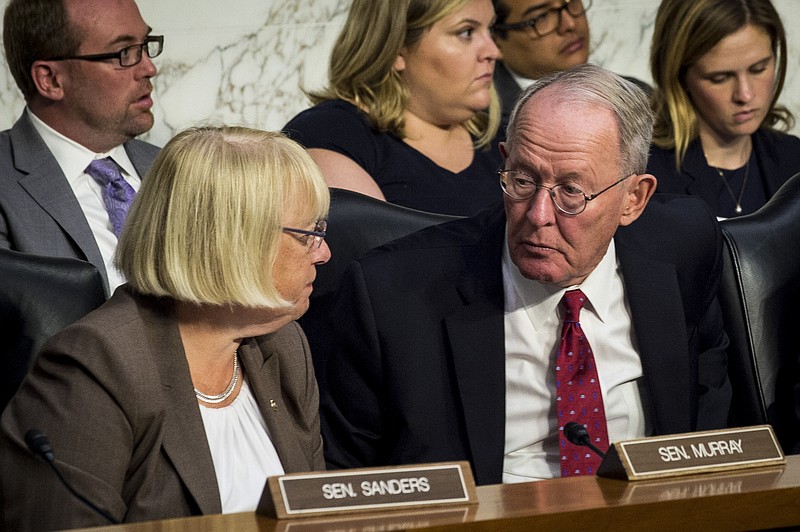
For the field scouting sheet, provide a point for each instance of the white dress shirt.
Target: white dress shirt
(533, 323)
(241, 450)
(523, 82)
(73, 159)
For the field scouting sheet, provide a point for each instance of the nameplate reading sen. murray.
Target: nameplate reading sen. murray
(368, 489)
(691, 453)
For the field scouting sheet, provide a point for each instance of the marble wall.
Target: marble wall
(245, 61)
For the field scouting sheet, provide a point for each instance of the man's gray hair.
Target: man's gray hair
(591, 84)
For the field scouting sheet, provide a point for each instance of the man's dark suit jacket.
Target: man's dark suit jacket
(776, 154)
(39, 212)
(418, 369)
(114, 394)
(508, 90)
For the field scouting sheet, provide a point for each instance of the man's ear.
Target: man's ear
(503, 150)
(47, 78)
(640, 190)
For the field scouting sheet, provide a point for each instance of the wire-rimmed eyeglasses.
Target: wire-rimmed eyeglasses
(548, 21)
(311, 239)
(129, 56)
(568, 199)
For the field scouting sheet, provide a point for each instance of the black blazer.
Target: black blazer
(419, 339)
(776, 154)
(507, 89)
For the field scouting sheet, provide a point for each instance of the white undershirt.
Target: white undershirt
(532, 331)
(73, 159)
(241, 450)
(523, 82)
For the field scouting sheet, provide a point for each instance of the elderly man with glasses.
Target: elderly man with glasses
(537, 37)
(583, 298)
(70, 167)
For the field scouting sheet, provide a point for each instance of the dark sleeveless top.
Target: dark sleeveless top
(404, 175)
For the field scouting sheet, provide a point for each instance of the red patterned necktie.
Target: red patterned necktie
(578, 395)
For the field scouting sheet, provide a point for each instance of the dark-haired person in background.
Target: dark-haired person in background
(538, 37)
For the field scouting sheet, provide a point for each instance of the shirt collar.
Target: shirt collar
(72, 157)
(541, 300)
(522, 81)
(595, 286)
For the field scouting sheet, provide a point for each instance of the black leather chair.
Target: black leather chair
(38, 297)
(359, 223)
(760, 297)
(356, 224)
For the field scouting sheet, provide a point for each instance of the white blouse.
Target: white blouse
(241, 450)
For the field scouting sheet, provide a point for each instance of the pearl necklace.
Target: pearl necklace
(216, 399)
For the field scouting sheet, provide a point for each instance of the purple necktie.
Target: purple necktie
(578, 394)
(117, 193)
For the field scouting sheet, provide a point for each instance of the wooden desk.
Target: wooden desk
(755, 499)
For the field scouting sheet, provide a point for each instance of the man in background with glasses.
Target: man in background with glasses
(69, 167)
(537, 37)
(448, 344)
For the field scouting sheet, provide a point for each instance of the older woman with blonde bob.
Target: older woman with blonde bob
(410, 114)
(719, 67)
(192, 384)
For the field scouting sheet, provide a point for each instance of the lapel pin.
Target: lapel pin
(273, 405)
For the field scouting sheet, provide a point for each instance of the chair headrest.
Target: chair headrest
(38, 297)
(781, 212)
(358, 223)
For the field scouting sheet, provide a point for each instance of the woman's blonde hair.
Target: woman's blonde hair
(362, 63)
(684, 32)
(205, 225)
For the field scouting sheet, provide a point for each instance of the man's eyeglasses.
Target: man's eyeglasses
(311, 239)
(548, 21)
(568, 199)
(129, 56)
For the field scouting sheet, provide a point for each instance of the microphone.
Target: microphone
(40, 446)
(578, 435)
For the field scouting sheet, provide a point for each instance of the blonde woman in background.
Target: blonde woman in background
(409, 114)
(719, 67)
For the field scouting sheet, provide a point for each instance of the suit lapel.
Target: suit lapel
(185, 441)
(476, 335)
(699, 178)
(45, 182)
(141, 156)
(265, 382)
(507, 88)
(658, 321)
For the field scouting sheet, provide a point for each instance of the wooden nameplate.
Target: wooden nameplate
(368, 489)
(691, 453)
